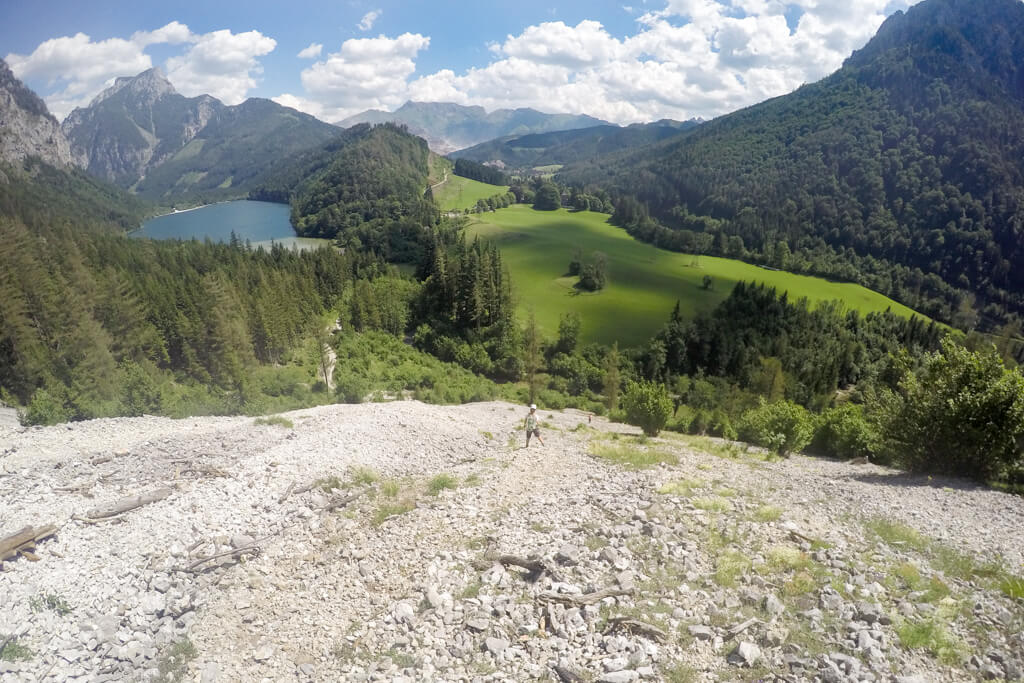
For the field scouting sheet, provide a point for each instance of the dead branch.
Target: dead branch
(24, 541)
(740, 628)
(582, 600)
(287, 493)
(636, 626)
(252, 550)
(90, 520)
(797, 536)
(534, 565)
(341, 502)
(127, 504)
(566, 675)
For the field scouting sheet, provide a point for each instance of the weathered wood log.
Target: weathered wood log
(534, 565)
(24, 541)
(130, 503)
(740, 628)
(583, 600)
(253, 550)
(636, 626)
(566, 675)
(341, 501)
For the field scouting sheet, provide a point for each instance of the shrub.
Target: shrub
(44, 409)
(351, 388)
(783, 427)
(843, 432)
(962, 413)
(647, 405)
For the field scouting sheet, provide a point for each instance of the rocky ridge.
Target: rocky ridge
(385, 542)
(27, 129)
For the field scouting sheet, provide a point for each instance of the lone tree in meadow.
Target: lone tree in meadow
(548, 198)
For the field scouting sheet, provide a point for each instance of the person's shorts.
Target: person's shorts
(534, 432)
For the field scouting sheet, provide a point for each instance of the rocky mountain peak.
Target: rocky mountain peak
(148, 86)
(27, 129)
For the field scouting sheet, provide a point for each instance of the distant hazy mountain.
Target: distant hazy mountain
(140, 133)
(568, 146)
(27, 129)
(447, 127)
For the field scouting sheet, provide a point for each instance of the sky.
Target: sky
(624, 62)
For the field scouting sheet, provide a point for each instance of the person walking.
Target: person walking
(531, 426)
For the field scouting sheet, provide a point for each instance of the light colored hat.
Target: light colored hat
(533, 406)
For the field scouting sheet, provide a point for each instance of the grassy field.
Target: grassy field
(644, 282)
(459, 193)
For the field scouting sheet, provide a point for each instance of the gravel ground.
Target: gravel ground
(246, 572)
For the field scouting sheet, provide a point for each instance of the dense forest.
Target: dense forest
(477, 171)
(365, 188)
(569, 146)
(902, 169)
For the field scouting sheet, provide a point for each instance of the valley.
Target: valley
(773, 342)
(644, 282)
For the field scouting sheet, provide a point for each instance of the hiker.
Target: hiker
(531, 426)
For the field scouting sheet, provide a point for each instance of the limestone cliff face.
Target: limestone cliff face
(27, 129)
(135, 125)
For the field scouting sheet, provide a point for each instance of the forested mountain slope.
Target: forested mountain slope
(568, 146)
(907, 163)
(363, 181)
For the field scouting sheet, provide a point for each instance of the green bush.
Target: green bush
(140, 391)
(961, 413)
(647, 405)
(843, 432)
(783, 427)
(351, 388)
(44, 409)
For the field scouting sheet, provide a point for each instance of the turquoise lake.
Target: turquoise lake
(259, 222)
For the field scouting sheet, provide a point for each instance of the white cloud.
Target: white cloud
(76, 68)
(369, 19)
(222, 64)
(689, 58)
(365, 73)
(311, 52)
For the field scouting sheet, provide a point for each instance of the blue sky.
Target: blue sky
(623, 61)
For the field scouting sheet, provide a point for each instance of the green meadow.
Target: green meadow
(459, 193)
(644, 282)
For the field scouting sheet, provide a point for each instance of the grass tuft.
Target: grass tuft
(14, 651)
(768, 513)
(729, 566)
(631, 457)
(389, 510)
(1013, 587)
(440, 483)
(173, 666)
(786, 558)
(932, 636)
(897, 534)
(712, 504)
(364, 476)
(49, 601)
(682, 487)
(275, 421)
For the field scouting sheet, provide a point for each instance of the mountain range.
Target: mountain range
(567, 146)
(141, 134)
(448, 127)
